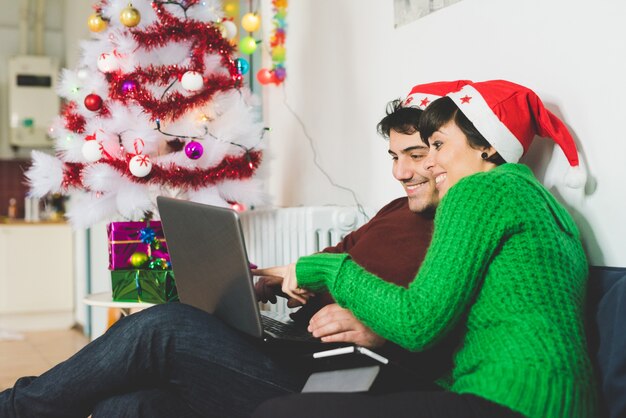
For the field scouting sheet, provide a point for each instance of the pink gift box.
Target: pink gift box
(125, 238)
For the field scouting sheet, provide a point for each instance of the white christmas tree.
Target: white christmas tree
(157, 106)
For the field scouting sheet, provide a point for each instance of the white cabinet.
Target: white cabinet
(36, 276)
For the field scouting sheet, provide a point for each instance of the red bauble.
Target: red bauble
(264, 76)
(93, 102)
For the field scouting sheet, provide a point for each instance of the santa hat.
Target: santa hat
(424, 94)
(509, 116)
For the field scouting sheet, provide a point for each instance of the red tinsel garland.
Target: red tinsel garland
(206, 39)
(231, 168)
(174, 105)
(73, 121)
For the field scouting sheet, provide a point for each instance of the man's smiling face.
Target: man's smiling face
(408, 153)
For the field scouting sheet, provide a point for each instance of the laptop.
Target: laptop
(212, 270)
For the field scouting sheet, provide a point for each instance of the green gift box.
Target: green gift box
(153, 286)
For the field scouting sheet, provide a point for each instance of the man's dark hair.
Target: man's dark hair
(404, 120)
(442, 111)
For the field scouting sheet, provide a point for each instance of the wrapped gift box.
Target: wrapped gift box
(127, 238)
(153, 286)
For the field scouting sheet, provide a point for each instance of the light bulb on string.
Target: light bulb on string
(251, 22)
(247, 45)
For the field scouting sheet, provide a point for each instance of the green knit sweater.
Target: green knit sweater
(507, 263)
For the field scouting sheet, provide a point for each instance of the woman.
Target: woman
(505, 263)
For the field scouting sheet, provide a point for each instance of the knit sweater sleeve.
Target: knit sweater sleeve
(473, 219)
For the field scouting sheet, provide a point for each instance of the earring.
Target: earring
(484, 155)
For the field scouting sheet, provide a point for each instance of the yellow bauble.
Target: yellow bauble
(130, 16)
(96, 23)
(251, 22)
(138, 259)
(231, 8)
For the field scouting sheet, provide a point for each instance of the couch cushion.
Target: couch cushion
(607, 335)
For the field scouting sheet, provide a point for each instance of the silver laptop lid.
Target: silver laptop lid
(210, 262)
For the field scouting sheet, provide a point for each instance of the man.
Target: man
(175, 360)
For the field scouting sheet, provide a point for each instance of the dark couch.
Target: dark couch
(606, 321)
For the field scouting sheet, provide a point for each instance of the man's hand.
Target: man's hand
(333, 323)
(267, 288)
(269, 285)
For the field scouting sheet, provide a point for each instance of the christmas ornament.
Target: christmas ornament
(140, 166)
(129, 16)
(92, 151)
(278, 54)
(264, 76)
(96, 23)
(247, 45)
(93, 102)
(192, 81)
(280, 73)
(107, 63)
(194, 150)
(229, 29)
(242, 65)
(138, 259)
(129, 86)
(251, 22)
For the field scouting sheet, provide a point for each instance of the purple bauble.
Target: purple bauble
(194, 150)
(280, 73)
(129, 86)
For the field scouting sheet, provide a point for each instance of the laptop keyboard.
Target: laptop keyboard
(285, 330)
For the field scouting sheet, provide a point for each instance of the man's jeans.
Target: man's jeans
(171, 360)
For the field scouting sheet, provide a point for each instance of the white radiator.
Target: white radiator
(276, 237)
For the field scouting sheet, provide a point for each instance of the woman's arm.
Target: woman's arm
(472, 222)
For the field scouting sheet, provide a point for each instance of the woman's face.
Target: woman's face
(450, 157)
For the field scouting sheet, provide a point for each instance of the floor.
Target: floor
(36, 352)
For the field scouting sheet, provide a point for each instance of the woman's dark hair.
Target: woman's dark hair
(404, 120)
(442, 111)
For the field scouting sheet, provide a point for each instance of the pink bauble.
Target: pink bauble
(194, 150)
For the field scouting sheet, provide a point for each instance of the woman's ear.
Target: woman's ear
(487, 152)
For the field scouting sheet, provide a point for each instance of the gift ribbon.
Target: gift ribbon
(134, 241)
(138, 285)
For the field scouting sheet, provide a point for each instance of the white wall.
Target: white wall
(345, 61)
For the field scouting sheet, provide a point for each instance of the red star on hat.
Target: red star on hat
(466, 99)
(424, 94)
